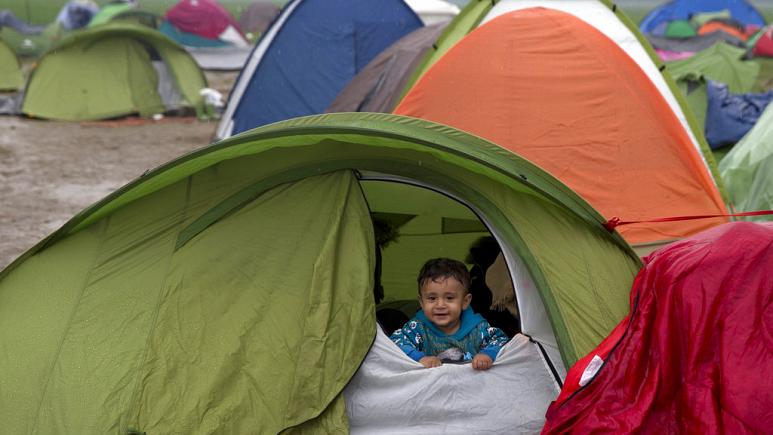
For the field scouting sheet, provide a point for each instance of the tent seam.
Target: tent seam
(84, 284)
(131, 404)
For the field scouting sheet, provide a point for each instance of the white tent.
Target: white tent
(433, 11)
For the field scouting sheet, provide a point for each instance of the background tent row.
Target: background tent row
(114, 70)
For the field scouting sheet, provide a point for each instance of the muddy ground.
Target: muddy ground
(50, 171)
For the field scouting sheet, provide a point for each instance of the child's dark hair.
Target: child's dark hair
(439, 268)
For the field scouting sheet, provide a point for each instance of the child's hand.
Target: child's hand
(430, 361)
(481, 361)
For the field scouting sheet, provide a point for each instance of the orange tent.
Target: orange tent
(717, 26)
(556, 91)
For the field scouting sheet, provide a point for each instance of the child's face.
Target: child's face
(443, 302)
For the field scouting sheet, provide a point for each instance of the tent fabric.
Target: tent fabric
(679, 29)
(11, 78)
(377, 87)
(125, 12)
(730, 116)
(206, 18)
(106, 71)
(763, 47)
(110, 11)
(606, 19)
(219, 58)
(188, 39)
(715, 26)
(253, 312)
(722, 63)
(572, 125)
(183, 263)
(697, 338)
(748, 168)
(674, 55)
(337, 38)
(433, 11)
(434, 405)
(258, 16)
(696, 43)
(701, 18)
(740, 11)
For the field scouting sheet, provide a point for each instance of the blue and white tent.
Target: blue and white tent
(739, 10)
(310, 52)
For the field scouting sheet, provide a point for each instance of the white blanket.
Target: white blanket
(392, 394)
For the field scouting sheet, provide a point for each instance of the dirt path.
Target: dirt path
(49, 171)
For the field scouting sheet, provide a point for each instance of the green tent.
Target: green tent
(124, 12)
(10, 71)
(112, 70)
(721, 62)
(230, 291)
(680, 29)
(748, 168)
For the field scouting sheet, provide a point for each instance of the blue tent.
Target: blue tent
(739, 10)
(310, 52)
(730, 116)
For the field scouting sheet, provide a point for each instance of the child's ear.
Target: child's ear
(467, 300)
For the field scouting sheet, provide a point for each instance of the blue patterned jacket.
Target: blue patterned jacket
(420, 337)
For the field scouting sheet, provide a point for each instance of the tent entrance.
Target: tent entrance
(391, 393)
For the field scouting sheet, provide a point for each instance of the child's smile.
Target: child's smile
(443, 302)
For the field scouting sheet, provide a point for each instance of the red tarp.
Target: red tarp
(696, 353)
(764, 46)
(205, 18)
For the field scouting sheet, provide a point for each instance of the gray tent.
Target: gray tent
(378, 86)
(696, 43)
(258, 17)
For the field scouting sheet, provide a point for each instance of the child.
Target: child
(446, 328)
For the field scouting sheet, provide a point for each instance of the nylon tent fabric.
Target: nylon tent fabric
(572, 125)
(714, 26)
(125, 12)
(722, 63)
(763, 46)
(607, 19)
(679, 29)
(188, 39)
(748, 168)
(517, 368)
(696, 43)
(740, 11)
(258, 17)
(696, 337)
(337, 38)
(108, 12)
(165, 280)
(377, 87)
(106, 71)
(205, 18)
(730, 116)
(11, 78)
(433, 11)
